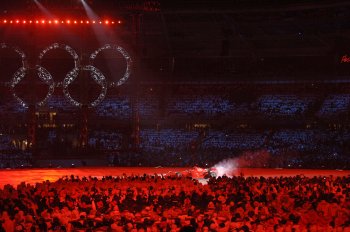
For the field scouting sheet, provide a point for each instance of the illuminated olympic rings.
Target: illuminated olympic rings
(71, 76)
(43, 74)
(124, 54)
(96, 75)
(18, 51)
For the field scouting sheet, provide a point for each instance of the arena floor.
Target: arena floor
(16, 176)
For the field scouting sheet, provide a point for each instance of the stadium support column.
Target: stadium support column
(84, 111)
(136, 123)
(138, 47)
(136, 32)
(31, 127)
(135, 113)
(32, 90)
(84, 133)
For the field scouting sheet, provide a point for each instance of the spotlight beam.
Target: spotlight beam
(43, 9)
(101, 33)
(90, 13)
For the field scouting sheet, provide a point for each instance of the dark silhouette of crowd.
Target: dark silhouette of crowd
(178, 203)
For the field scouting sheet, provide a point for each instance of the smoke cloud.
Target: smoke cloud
(229, 167)
(226, 167)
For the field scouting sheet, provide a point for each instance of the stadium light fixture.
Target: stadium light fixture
(50, 21)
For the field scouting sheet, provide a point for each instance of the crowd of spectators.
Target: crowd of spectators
(104, 140)
(18, 159)
(283, 105)
(335, 104)
(121, 107)
(59, 103)
(233, 141)
(222, 105)
(287, 148)
(210, 105)
(167, 139)
(178, 203)
(204, 103)
(12, 156)
(10, 106)
(162, 135)
(117, 107)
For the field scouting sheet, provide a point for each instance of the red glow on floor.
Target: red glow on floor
(16, 176)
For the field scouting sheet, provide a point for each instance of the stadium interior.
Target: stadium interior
(175, 115)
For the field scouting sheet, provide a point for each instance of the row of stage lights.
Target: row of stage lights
(58, 22)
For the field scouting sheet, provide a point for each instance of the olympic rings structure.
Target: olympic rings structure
(44, 75)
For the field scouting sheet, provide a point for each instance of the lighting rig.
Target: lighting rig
(58, 22)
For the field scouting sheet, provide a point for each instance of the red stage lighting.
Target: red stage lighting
(57, 21)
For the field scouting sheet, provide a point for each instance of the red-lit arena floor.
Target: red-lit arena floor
(16, 176)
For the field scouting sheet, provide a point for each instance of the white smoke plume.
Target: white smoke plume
(229, 167)
(226, 167)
